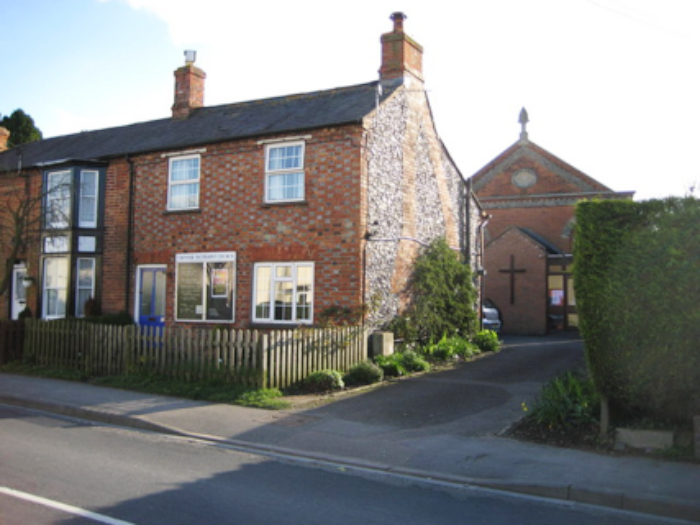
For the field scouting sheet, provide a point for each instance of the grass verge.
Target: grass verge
(214, 390)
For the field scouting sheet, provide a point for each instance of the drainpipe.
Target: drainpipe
(482, 267)
(129, 232)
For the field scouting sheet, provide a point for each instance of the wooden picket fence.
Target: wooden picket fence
(272, 359)
(11, 341)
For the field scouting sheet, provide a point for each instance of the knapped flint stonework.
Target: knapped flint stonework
(406, 201)
(385, 198)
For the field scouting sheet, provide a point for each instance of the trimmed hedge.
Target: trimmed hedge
(637, 281)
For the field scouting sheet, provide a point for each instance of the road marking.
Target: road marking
(63, 507)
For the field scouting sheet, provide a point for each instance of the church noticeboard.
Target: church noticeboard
(205, 286)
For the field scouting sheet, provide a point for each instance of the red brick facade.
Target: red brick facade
(521, 299)
(326, 228)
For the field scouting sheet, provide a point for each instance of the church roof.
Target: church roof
(551, 248)
(208, 125)
(527, 172)
(525, 149)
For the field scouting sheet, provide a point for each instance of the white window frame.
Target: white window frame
(174, 184)
(79, 288)
(58, 197)
(46, 289)
(269, 172)
(272, 266)
(82, 198)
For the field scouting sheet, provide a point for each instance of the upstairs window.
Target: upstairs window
(87, 200)
(58, 202)
(183, 183)
(284, 172)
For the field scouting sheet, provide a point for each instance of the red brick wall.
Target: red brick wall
(326, 229)
(115, 256)
(527, 315)
(551, 222)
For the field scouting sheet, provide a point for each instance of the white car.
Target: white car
(490, 319)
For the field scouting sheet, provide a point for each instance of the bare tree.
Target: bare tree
(21, 220)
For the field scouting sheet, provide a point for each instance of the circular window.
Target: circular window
(524, 179)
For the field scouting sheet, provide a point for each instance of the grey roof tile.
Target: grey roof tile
(207, 125)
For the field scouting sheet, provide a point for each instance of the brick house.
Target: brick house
(261, 213)
(531, 198)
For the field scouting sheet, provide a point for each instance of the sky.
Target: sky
(611, 86)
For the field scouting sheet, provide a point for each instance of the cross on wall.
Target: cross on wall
(512, 271)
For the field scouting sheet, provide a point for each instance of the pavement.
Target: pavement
(443, 427)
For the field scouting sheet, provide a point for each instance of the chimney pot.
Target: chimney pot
(398, 17)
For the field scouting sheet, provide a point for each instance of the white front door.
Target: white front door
(19, 291)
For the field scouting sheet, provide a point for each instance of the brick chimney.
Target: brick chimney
(4, 137)
(402, 56)
(189, 87)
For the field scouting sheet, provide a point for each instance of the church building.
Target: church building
(531, 196)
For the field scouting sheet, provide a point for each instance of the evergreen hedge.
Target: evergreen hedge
(637, 283)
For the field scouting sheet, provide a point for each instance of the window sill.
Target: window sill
(256, 325)
(284, 203)
(182, 212)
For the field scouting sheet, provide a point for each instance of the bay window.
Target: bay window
(85, 284)
(55, 287)
(87, 199)
(58, 201)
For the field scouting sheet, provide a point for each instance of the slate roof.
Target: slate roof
(551, 248)
(207, 125)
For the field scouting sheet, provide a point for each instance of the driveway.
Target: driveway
(480, 397)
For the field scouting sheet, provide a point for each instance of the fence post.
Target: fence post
(263, 350)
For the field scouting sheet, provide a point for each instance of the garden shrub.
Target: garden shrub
(566, 401)
(364, 373)
(413, 362)
(487, 341)
(392, 365)
(323, 381)
(449, 348)
(442, 296)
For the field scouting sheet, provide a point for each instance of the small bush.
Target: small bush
(450, 347)
(487, 341)
(323, 381)
(392, 365)
(413, 362)
(364, 373)
(566, 401)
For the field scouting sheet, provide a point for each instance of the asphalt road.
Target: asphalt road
(476, 398)
(87, 473)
